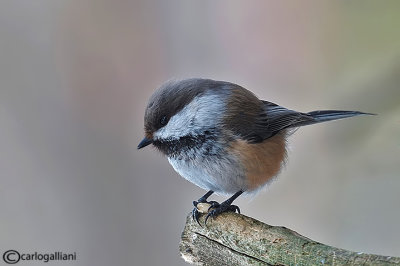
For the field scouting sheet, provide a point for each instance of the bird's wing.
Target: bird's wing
(272, 120)
(275, 118)
(279, 118)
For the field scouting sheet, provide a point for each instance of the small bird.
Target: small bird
(221, 137)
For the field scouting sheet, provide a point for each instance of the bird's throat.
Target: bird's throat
(186, 144)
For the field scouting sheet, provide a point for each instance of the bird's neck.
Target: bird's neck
(185, 145)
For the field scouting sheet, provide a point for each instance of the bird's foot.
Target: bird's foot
(216, 209)
(202, 206)
(213, 208)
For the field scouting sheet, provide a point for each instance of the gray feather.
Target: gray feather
(277, 118)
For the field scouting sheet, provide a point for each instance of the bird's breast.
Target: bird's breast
(225, 167)
(205, 162)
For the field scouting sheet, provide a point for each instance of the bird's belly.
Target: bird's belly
(222, 174)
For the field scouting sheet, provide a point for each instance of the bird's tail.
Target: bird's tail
(328, 115)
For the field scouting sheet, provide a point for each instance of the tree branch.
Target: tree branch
(234, 239)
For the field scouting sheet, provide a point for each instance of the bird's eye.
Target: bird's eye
(164, 120)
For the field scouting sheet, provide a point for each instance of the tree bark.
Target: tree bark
(235, 239)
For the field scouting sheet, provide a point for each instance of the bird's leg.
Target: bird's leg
(225, 206)
(203, 199)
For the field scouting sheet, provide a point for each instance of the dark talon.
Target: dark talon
(213, 205)
(203, 199)
(196, 215)
(236, 208)
(195, 212)
(208, 215)
(223, 207)
(215, 208)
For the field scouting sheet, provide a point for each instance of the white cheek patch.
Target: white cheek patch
(202, 113)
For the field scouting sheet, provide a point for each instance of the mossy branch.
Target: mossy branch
(235, 239)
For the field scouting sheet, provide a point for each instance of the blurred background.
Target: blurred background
(75, 77)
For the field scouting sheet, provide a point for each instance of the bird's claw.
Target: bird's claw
(217, 209)
(196, 215)
(196, 211)
(214, 209)
(214, 205)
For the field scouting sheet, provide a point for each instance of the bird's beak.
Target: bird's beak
(144, 143)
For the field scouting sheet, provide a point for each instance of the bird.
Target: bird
(222, 137)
